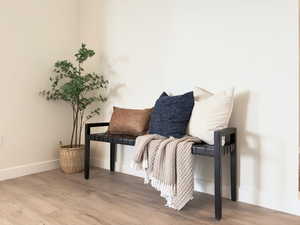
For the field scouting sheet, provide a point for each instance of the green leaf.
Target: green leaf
(79, 90)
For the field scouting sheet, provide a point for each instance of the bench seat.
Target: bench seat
(197, 149)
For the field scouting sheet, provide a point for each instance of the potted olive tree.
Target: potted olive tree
(81, 91)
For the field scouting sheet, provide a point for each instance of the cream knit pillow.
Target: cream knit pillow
(211, 112)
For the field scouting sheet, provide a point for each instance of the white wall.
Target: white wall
(34, 34)
(149, 46)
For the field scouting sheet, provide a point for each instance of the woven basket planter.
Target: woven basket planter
(71, 159)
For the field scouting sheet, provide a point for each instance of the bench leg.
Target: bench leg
(233, 170)
(87, 158)
(112, 156)
(218, 178)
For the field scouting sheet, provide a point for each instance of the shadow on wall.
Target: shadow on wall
(115, 87)
(249, 145)
(254, 160)
(112, 93)
(250, 150)
(238, 120)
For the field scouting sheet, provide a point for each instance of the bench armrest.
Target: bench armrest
(225, 131)
(104, 124)
(225, 139)
(88, 126)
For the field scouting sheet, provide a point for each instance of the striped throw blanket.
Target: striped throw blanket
(168, 166)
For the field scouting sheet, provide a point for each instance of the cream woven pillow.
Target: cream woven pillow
(211, 112)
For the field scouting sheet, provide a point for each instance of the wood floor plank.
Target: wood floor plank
(54, 198)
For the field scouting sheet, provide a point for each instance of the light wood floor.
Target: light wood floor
(53, 198)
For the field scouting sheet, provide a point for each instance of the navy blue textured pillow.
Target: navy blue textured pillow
(171, 115)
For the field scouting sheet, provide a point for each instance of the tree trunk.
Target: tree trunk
(77, 110)
(73, 126)
(76, 127)
(81, 125)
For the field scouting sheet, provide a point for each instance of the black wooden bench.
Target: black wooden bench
(225, 143)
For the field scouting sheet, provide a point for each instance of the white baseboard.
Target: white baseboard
(19, 171)
(99, 163)
(267, 199)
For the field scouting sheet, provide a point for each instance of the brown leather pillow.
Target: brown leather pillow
(129, 121)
